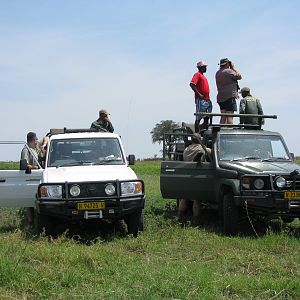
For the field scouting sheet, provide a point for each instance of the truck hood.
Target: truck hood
(262, 167)
(88, 173)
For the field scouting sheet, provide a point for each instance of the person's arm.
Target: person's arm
(110, 127)
(25, 154)
(260, 110)
(236, 74)
(242, 110)
(193, 86)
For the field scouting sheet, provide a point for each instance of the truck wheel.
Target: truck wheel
(230, 215)
(142, 221)
(134, 222)
(43, 223)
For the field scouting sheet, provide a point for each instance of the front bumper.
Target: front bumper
(269, 203)
(67, 209)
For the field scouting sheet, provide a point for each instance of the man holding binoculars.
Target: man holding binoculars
(227, 85)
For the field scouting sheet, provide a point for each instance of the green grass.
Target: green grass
(163, 262)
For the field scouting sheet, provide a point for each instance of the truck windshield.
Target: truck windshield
(252, 147)
(87, 151)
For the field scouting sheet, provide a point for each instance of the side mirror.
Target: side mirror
(23, 164)
(131, 159)
(293, 156)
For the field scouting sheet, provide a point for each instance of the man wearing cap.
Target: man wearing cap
(37, 150)
(227, 85)
(250, 105)
(103, 123)
(200, 86)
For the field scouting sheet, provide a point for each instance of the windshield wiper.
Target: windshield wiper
(75, 163)
(245, 158)
(275, 158)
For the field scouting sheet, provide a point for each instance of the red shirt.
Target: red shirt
(201, 84)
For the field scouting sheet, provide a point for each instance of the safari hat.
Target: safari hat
(224, 61)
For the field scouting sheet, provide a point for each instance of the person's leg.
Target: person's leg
(231, 109)
(183, 207)
(197, 122)
(196, 212)
(229, 120)
(223, 118)
(198, 118)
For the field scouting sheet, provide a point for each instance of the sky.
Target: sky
(62, 61)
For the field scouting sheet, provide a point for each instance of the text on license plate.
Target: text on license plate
(90, 205)
(291, 195)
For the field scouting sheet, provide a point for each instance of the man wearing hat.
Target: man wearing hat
(227, 85)
(200, 86)
(250, 105)
(103, 123)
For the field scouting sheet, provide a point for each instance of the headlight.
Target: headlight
(280, 182)
(51, 191)
(246, 182)
(75, 190)
(259, 184)
(131, 188)
(110, 189)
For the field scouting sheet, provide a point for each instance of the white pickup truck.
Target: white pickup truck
(85, 178)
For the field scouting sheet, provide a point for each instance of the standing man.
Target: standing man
(103, 123)
(37, 150)
(200, 86)
(227, 85)
(250, 105)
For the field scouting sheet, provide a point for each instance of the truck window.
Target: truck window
(75, 152)
(255, 146)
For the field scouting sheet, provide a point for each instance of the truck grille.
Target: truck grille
(292, 183)
(90, 190)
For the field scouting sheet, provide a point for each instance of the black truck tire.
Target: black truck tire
(230, 215)
(135, 222)
(43, 223)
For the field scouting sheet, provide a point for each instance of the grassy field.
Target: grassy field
(163, 262)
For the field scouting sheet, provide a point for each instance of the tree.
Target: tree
(158, 131)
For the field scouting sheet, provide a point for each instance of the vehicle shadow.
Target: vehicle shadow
(211, 221)
(86, 234)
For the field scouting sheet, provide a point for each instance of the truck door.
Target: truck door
(17, 189)
(188, 180)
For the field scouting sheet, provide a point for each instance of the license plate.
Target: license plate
(291, 195)
(90, 205)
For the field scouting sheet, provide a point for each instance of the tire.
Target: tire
(135, 221)
(43, 223)
(231, 216)
(142, 221)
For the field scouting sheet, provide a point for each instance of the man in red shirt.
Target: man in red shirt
(200, 86)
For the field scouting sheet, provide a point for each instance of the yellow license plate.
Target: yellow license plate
(291, 195)
(90, 205)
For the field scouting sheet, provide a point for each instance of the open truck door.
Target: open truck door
(18, 187)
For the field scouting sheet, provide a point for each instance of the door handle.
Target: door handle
(2, 180)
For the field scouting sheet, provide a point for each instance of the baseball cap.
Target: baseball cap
(244, 90)
(201, 63)
(104, 111)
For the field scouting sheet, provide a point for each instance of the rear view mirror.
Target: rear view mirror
(131, 159)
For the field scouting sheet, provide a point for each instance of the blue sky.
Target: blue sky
(61, 61)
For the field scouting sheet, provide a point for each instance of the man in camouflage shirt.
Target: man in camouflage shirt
(103, 123)
(250, 105)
